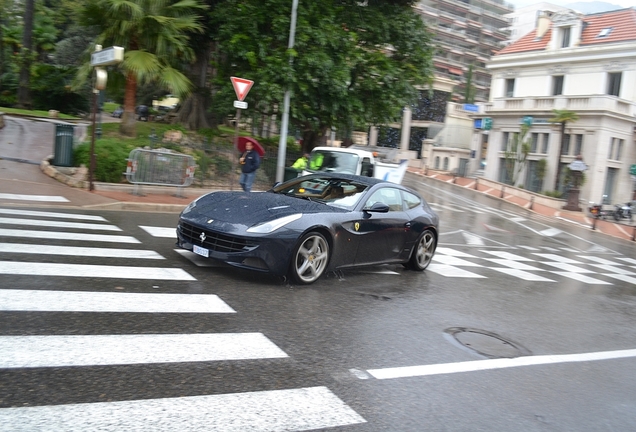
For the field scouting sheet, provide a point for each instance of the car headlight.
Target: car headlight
(271, 226)
(193, 204)
(189, 207)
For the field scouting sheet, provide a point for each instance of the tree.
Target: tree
(353, 62)
(562, 117)
(155, 36)
(26, 56)
(516, 154)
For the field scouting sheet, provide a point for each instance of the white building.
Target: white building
(524, 19)
(580, 63)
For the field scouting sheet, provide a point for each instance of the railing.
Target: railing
(159, 168)
(575, 103)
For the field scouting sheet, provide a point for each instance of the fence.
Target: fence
(159, 168)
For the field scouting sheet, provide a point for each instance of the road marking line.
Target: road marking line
(480, 365)
(17, 197)
(78, 251)
(613, 269)
(521, 274)
(160, 231)
(567, 267)
(51, 214)
(100, 350)
(557, 258)
(599, 260)
(581, 278)
(453, 252)
(518, 265)
(454, 261)
(628, 260)
(83, 301)
(623, 277)
(58, 224)
(473, 239)
(84, 270)
(309, 408)
(506, 255)
(450, 271)
(55, 235)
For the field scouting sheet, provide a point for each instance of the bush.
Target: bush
(110, 159)
(553, 194)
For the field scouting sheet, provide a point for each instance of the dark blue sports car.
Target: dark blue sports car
(312, 224)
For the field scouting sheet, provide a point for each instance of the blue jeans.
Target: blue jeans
(246, 180)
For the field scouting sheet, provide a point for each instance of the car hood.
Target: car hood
(230, 211)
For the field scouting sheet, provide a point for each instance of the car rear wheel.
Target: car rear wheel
(423, 252)
(310, 258)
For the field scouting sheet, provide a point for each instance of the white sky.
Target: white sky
(520, 3)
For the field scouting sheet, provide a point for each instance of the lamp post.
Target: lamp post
(576, 168)
(282, 144)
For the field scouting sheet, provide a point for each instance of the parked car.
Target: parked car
(312, 224)
(142, 112)
(118, 112)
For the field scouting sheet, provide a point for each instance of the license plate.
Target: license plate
(201, 251)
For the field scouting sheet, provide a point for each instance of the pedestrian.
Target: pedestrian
(301, 162)
(250, 161)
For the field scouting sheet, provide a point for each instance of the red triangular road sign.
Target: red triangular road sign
(241, 87)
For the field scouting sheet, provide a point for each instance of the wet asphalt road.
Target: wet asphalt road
(340, 330)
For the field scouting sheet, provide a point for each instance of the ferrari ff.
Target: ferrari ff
(312, 224)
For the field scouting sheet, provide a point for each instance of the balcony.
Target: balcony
(580, 104)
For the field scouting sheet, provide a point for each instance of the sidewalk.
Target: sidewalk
(623, 230)
(171, 199)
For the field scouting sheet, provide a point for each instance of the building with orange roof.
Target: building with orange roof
(580, 63)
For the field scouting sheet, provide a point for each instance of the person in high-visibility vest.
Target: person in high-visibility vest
(316, 161)
(301, 162)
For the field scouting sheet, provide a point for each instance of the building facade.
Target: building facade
(466, 34)
(585, 64)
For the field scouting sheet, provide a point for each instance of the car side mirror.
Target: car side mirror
(378, 207)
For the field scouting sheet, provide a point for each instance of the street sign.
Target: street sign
(471, 108)
(527, 120)
(241, 87)
(632, 170)
(108, 56)
(240, 104)
(577, 165)
(487, 123)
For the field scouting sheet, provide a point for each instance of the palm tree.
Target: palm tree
(562, 117)
(24, 93)
(155, 37)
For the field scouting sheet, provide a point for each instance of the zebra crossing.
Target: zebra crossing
(535, 264)
(30, 240)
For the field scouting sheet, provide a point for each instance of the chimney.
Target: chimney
(543, 23)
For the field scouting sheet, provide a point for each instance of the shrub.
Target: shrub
(110, 159)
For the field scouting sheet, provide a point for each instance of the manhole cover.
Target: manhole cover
(487, 343)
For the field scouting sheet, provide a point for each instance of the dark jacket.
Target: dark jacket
(252, 162)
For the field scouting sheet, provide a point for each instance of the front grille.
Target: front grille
(213, 240)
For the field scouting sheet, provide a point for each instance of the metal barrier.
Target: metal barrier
(159, 168)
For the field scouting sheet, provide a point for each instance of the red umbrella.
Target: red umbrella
(257, 146)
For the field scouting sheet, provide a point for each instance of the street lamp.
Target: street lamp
(282, 144)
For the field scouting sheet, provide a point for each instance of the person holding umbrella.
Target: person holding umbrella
(249, 161)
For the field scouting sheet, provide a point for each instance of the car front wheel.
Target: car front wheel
(310, 258)
(423, 252)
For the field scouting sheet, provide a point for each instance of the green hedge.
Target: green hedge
(110, 159)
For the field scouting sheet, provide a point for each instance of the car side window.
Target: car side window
(410, 200)
(389, 196)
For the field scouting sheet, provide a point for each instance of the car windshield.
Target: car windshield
(341, 162)
(331, 191)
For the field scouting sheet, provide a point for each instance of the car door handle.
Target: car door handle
(407, 225)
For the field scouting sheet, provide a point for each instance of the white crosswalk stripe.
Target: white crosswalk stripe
(39, 249)
(89, 301)
(41, 198)
(58, 224)
(264, 411)
(299, 409)
(86, 270)
(160, 231)
(51, 214)
(57, 235)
